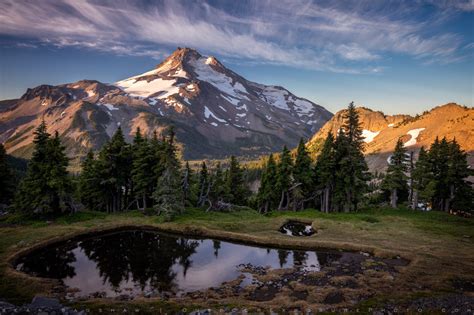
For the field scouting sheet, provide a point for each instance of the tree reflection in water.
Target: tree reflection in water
(137, 261)
(141, 256)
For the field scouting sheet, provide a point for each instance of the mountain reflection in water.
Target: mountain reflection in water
(134, 262)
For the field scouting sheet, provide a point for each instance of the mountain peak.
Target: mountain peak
(179, 57)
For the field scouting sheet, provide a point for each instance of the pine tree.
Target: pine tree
(439, 157)
(89, 184)
(188, 185)
(142, 169)
(325, 172)
(460, 190)
(343, 169)
(423, 182)
(236, 190)
(114, 167)
(396, 179)
(267, 195)
(303, 177)
(6, 178)
(218, 189)
(204, 185)
(355, 165)
(168, 193)
(46, 187)
(284, 178)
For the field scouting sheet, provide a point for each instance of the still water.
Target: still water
(136, 261)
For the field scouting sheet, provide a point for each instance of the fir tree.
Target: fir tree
(218, 189)
(204, 185)
(168, 194)
(284, 178)
(423, 182)
(114, 167)
(89, 184)
(188, 184)
(6, 178)
(396, 179)
(343, 169)
(46, 187)
(142, 169)
(460, 190)
(354, 163)
(237, 192)
(303, 177)
(324, 173)
(267, 195)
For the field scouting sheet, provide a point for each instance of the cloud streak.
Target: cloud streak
(346, 36)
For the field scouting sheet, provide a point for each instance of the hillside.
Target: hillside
(382, 131)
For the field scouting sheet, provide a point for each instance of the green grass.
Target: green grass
(441, 243)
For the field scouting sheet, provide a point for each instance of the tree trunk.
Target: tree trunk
(326, 199)
(393, 198)
(144, 201)
(280, 205)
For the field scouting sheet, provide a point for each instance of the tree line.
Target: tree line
(438, 178)
(147, 174)
(335, 182)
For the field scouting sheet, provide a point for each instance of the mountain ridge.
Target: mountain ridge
(381, 131)
(216, 112)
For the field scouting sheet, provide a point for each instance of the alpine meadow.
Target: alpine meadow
(273, 157)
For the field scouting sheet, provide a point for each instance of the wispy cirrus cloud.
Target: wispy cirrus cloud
(349, 36)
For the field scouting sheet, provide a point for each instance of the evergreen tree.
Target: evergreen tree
(354, 163)
(46, 187)
(89, 184)
(142, 169)
(218, 189)
(267, 195)
(284, 178)
(204, 185)
(343, 168)
(303, 177)
(460, 190)
(396, 179)
(188, 184)
(237, 192)
(168, 193)
(114, 167)
(439, 158)
(6, 178)
(423, 181)
(325, 172)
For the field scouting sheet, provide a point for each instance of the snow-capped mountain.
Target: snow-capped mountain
(215, 111)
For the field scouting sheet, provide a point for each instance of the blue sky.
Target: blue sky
(394, 56)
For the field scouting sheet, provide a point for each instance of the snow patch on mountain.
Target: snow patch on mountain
(369, 136)
(414, 133)
(303, 107)
(221, 81)
(208, 113)
(143, 88)
(276, 97)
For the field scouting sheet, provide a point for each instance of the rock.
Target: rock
(334, 298)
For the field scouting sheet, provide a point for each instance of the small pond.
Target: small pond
(137, 262)
(295, 228)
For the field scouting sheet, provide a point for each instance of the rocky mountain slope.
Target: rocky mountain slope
(215, 111)
(382, 131)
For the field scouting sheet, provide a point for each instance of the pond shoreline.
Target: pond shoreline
(291, 243)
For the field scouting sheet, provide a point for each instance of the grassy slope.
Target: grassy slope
(439, 245)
